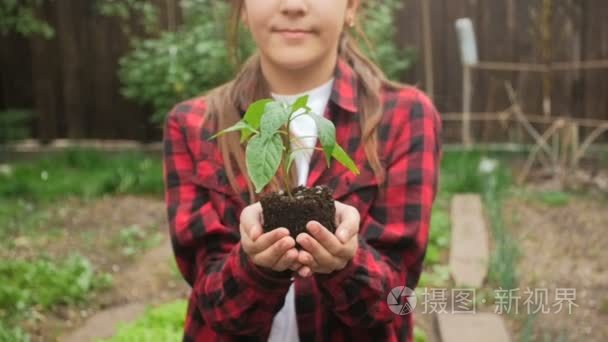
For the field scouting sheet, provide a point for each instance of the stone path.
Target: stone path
(469, 252)
(469, 257)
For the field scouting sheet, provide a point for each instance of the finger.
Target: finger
(348, 222)
(305, 271)
(295, 266)
(350, 248)
(328, 240)
(272, 254)
(246, 242)
(264, 241)
(306, 259)
(267, 239)
(251, 218)
(251, 234)
(255, 232)
(286, 260)
(318, 252)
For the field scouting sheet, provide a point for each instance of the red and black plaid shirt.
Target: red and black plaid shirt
(232, 299)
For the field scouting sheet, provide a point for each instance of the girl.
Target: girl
(249, 285)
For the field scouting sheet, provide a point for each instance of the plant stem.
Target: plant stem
(308, 148)
(288, 151)
(304, 137)
(286, 171)
(305, 113)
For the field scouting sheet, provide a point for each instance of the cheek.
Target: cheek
(259, 32)
(331, 35)
(258, 17)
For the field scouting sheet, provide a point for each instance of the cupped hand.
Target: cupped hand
(274, 250)
(324, 252)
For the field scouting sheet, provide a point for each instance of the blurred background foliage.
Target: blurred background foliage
(175, 66)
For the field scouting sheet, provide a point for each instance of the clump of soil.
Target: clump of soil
(293, 213)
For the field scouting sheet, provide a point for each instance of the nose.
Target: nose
(293, 8)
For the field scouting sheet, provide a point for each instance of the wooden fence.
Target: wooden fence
(71, 82)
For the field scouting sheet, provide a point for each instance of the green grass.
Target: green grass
(527, 332)
(604, 306)
(9, 333)
(439, 236)
(134, 239)
(163, 324)
(435, 274)
(419, 335)
(31, 186)
(503, 259)
(17, 215)
(459, 173)
(82, 173)
(44, 283)
(550, 198)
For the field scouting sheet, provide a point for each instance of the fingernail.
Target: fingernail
(342, 236)
(313, 228)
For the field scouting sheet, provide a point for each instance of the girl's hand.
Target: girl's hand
(324, 252)
(273, 250)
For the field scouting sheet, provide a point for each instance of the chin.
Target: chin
(293, 59)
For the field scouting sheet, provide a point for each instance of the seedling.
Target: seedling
(261, 128)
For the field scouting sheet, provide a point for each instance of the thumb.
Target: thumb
(347, 230)
(255, 231)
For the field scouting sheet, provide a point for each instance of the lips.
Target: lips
(293, 33)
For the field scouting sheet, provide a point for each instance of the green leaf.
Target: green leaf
(300, 103)
(263, 156)
(254, 113)
(344, 159)
(275, 116)
(327, 135)
(241, 125)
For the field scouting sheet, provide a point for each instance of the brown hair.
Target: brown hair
(223, 102)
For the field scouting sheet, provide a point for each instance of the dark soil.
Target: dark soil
(304, 205)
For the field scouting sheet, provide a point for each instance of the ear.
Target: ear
(352, 7)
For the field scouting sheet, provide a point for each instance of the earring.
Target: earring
(350, 22)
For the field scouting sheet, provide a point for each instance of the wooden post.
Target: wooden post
(46, 91)
(467, 89)
(468, 58)
(574, 146)
(428, 48)
(71, 16)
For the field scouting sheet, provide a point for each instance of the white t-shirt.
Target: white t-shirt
(285, 326)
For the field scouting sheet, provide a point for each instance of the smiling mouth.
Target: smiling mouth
(293, 34)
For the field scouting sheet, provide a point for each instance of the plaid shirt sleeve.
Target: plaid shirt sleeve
(393, 236)
(233, 295)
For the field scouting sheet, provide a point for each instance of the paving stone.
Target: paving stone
(486, 327)
(469, 252)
